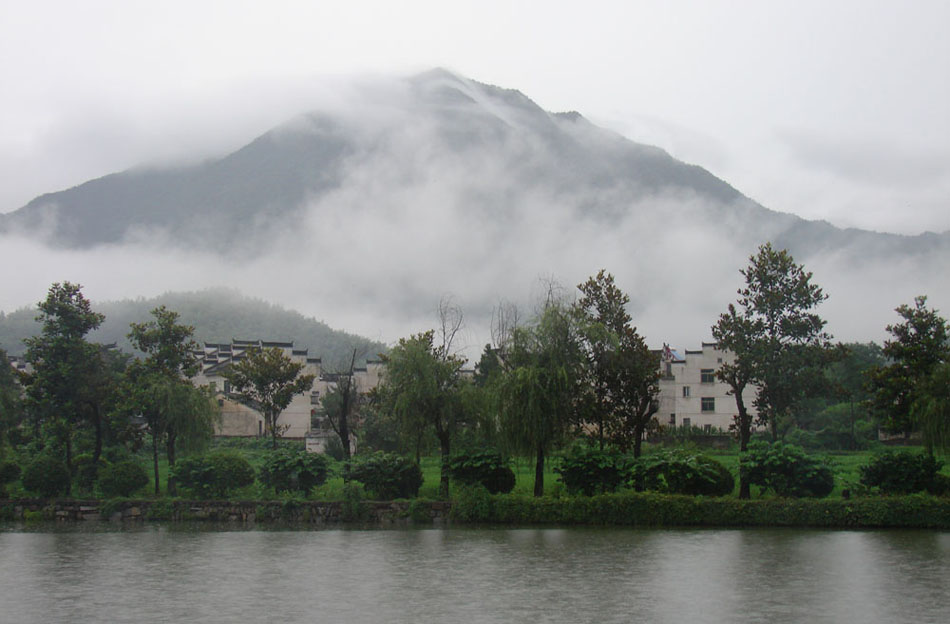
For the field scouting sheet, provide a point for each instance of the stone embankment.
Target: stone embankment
(297, 511)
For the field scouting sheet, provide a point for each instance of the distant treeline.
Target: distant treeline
(218, 315)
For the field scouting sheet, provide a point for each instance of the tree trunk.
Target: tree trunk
(539, 472)
(345, 435)
(445, 444)
(69, 461)
(272, 421)
(97, 450)
(637, 441)
(155, 460)
(170, 453)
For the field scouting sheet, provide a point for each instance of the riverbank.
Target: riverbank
(478, 507)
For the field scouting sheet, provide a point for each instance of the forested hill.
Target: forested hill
(218, 315)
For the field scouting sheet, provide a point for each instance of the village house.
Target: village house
(690, 393)
(241, 420)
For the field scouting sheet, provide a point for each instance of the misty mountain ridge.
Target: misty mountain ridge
(263, 189)
(367, 211)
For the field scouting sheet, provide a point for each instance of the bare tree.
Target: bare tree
(504, 318)
(341, 402)
(451, 322)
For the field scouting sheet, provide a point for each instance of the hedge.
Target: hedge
(665, 510)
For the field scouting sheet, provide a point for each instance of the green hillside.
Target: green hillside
(218, 315)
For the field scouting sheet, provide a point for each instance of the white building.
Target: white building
(690, 393)
(239, 419)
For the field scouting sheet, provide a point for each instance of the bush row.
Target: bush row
(648, 509)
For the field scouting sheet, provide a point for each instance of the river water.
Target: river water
(189, 574)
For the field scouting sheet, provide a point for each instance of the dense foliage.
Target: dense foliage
(386, 475)
(687, 472)
(486, 468)
(590, 470)
(294, 470)
(903, 473)
(786, 470)
(124, 479)
(46, 476)
(215, 474)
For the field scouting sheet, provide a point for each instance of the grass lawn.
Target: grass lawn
(844, 463)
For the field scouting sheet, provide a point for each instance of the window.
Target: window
(707, 428)
(315, 397)
(686, 423)
(685, 392)
(707, 375)
(672, 420)
(213, 385)
(227, 387)
(708, 404)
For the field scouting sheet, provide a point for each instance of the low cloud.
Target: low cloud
(414, 220)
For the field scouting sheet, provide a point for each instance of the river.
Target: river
(183, 573)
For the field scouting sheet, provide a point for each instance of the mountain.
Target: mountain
(264, 187)
(218, 316)
(366, 212)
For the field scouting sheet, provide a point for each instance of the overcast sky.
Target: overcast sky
(830, 110)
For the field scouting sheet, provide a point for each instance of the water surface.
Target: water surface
(180, 573)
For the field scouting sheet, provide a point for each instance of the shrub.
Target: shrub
(291, 470)
(46, 476)
(786, 470)
(588, 470)
(122, 479)
(903, 473)
(213, 475)
(686, 472)
(86, 471)
(353, 508)
(386, 475)
(486, 468)
(9, 472)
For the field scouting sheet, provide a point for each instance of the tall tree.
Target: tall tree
(775, 333)
(341, 401)
(11, 411)
(918, 347)
(63, 363)
(536, 394)
(268, 380)
(422, 388)
(621, 374)
(176, 413)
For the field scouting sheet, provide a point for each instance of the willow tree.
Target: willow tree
(422, 389)
(536, 392)
(177, 414)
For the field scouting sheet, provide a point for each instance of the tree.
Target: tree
(58, 390)
(931, 409)
(10, 401)
(918, 347)
(341, 402)
(778, 341)
(268, 380)
(422, 388)
(536, 394)
(622, 374)
(158, 387)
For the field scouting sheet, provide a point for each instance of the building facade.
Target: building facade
(690, 393)
(240, 419)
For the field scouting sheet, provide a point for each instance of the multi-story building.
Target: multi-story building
(690, 393)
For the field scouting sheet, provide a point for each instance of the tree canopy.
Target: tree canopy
(268, 380)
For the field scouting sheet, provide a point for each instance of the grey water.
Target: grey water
(174, 573)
